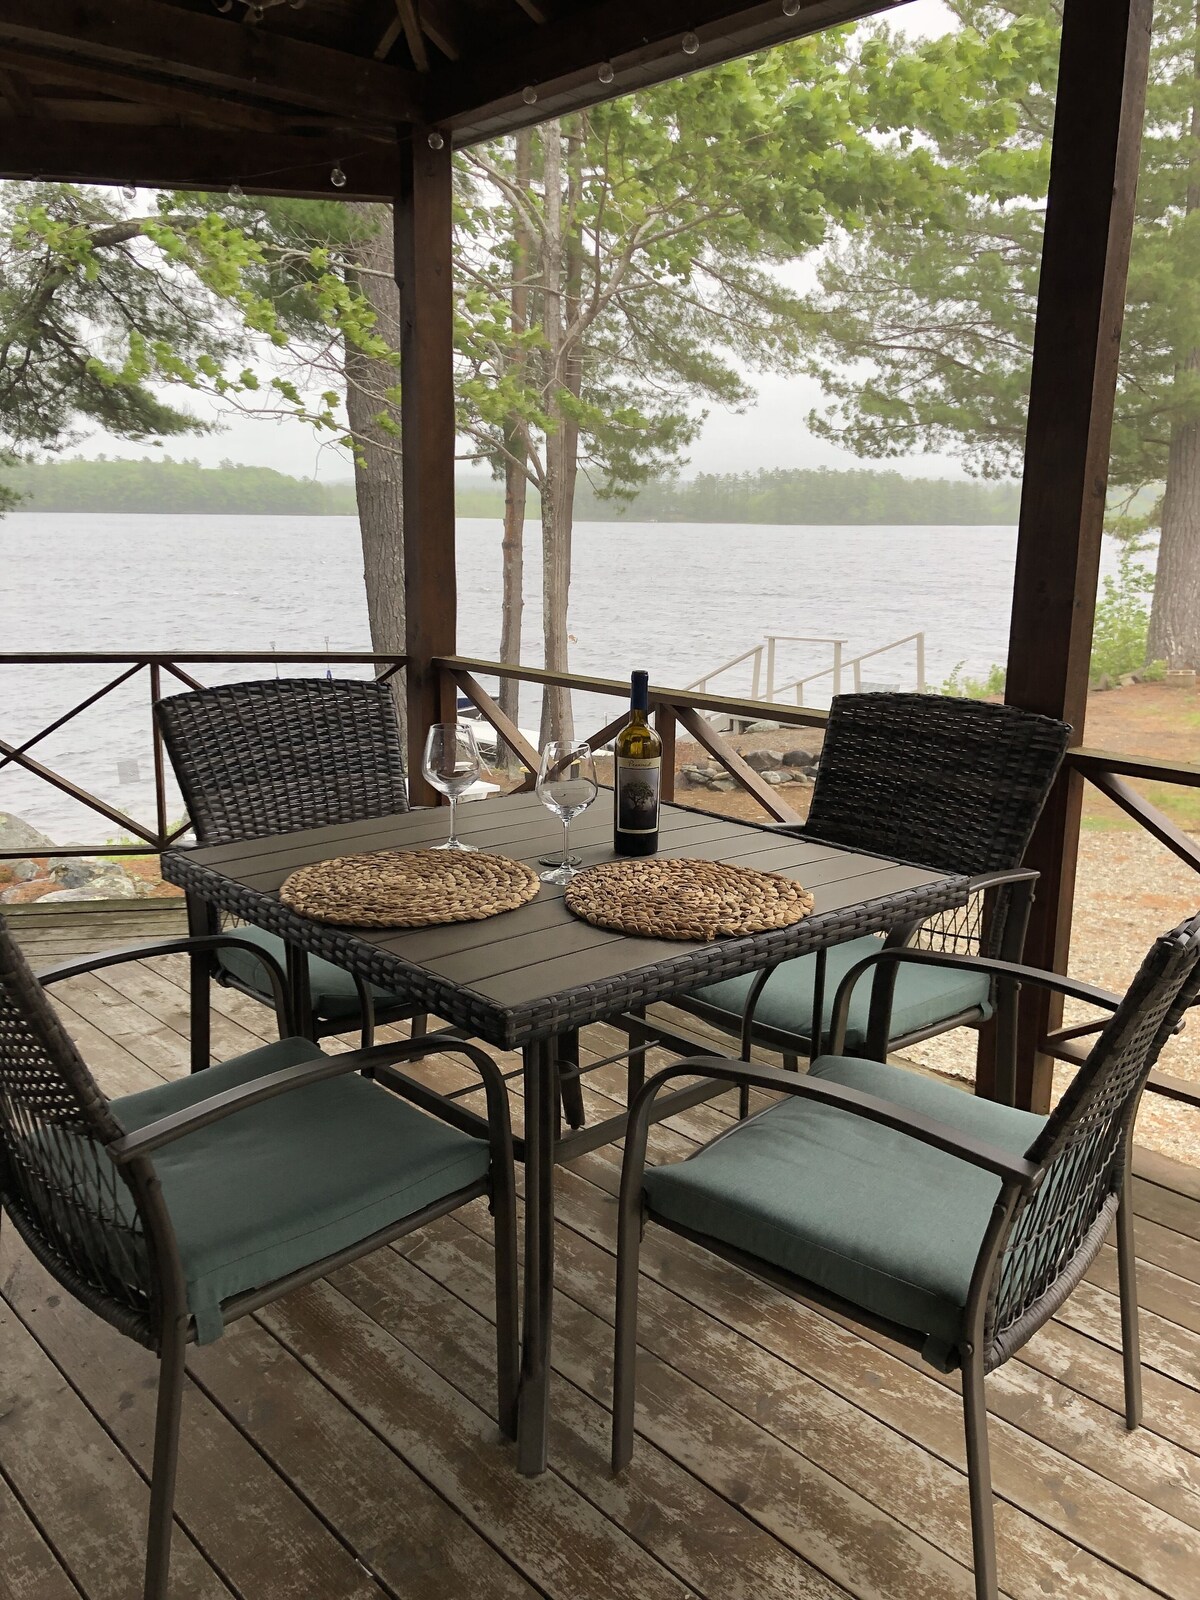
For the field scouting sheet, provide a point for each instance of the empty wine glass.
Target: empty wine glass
(451, 763)
(566, 785)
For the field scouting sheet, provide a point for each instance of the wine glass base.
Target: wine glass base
(455, 844)
(559, 874)
(556, 861)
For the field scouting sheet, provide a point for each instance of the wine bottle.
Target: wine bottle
(637, 777)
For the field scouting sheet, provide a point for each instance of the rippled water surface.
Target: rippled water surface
(676, 598)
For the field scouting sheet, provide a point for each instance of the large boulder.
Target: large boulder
(799, 758)
(761, 760)
(22, 894)
(17, 834)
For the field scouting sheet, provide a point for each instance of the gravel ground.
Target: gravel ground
(1130, 889)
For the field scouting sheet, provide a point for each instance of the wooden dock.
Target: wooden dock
(341, 1445)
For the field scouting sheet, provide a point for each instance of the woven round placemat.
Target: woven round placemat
(409, 888)
(685, 899)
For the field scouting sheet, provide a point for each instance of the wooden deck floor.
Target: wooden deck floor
(341, 1445)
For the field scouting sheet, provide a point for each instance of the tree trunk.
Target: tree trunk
(378, 483)
(1175, 615)
(1174, 635)
(516, 481)
(557, 720)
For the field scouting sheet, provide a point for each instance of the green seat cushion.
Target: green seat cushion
(273, 1188)
(334, 993)
(865, 1213)
(924, 995)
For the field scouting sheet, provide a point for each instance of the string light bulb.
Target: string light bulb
(791, 8)
(337, 177)
(128, 192)
(529, 95)
(606, 73)
(257, 13)
(436, 141)
(236, 192)
(689, 44)
(224, 6)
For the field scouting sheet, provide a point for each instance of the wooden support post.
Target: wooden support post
(424, 272)
(664, 723)
(1081, 304)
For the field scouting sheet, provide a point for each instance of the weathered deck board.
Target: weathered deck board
(343, 1442)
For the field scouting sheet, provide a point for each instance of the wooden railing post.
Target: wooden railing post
(1081, 301)
(664, 723)
(424, 272)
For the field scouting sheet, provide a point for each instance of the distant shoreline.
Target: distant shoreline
(820, 497)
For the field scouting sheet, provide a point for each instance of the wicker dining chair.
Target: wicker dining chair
(955, 785)
(276, 756)
(953, 1224)
(173, 1211)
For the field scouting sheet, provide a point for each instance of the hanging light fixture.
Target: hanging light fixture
(337, 177)
(529, 95)
(606, 73)
(128, 192)
(436, 140)
(236, 192)
(791, 8)
(689, 44)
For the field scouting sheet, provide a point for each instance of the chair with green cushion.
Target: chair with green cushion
(275, 756)
(951, 1223)
(171, 1212)
(955, 785)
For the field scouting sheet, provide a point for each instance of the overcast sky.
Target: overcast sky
(771, 433)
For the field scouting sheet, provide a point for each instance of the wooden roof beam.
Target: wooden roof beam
(143, 36)
(195, 158)
(485, 96)
(213, 107)
(433, 22)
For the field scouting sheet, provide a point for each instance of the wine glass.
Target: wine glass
(566, 785)
(451, 763)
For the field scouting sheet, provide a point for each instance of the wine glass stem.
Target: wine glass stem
(566, 860)
(453, 839)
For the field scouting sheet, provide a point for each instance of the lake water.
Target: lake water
(676, 598)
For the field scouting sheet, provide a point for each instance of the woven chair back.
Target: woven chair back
(288, 753)
(67, 1199)
(952, 784)
(1084, 1146)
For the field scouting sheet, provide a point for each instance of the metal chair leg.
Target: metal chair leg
(1131, 1352)
(172, 1371)
(570, 1089)
(979, 1479)
(508, 1336)
(629, 1249)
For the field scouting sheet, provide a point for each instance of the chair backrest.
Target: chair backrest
(1084, 1146)
(287, 753)
(66, 1197)
(946, 783)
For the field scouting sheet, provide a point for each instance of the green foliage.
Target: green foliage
(166, 486)
(818, 496)
(968, 688)
(100, 308)
(922, 336)
(1122, 620)
(1118, 641)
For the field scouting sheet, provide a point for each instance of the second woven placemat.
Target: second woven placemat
(685, 899)
(409, 888)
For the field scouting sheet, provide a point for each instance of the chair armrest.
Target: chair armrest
(166, 1130)
(991, 965)
(1014, 1171)
(189, 945)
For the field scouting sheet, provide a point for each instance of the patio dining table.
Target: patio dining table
(529, 979)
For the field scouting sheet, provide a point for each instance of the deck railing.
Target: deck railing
(764, 657)
(674, 709)
(153, 837)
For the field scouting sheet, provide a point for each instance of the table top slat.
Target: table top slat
(535, 971)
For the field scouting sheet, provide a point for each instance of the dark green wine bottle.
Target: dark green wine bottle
(637, 777)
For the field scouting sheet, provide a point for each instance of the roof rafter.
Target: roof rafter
(142, 36)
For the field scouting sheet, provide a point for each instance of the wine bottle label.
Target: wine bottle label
(638, 780)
